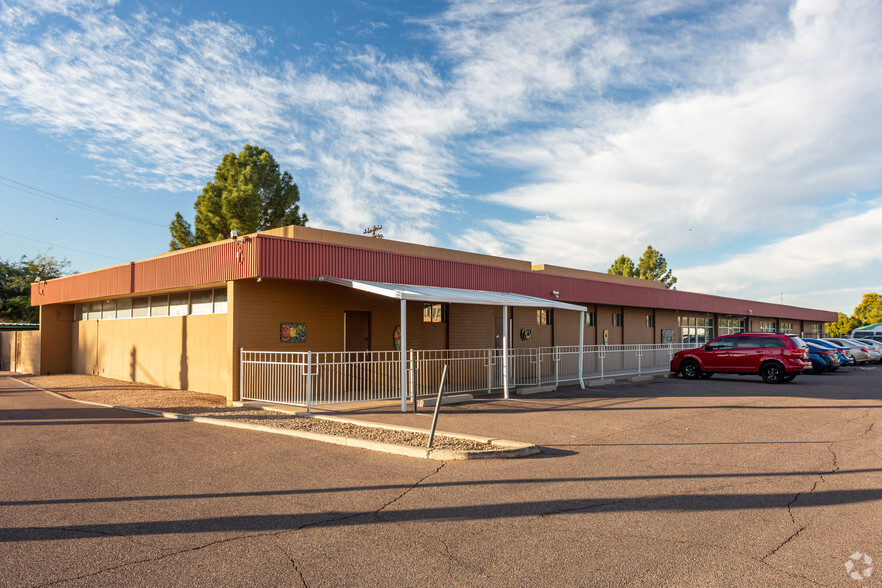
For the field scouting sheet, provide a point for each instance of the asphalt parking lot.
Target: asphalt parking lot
(727, 481)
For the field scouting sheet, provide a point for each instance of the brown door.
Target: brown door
(357, 338)
(358, 331)
(498, 341)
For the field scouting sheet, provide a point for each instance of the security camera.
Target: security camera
(233, 234)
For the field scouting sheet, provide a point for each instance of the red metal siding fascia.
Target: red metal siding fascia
(221, 262)
(280, 257)
(301, 260)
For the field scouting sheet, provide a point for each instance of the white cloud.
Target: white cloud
(836, 262)
(664, 122)
(761, 154)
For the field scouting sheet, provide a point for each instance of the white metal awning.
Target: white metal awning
(455, 295)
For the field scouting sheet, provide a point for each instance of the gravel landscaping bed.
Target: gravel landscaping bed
(119, 393)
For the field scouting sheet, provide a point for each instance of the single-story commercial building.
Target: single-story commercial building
(187, 319)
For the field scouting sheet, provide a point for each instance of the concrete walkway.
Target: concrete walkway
(726, 481)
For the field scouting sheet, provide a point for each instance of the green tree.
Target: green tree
(843, 327)
(623, 266)
(653, 266)
(869, 311)
(248, 194)
(15, 285)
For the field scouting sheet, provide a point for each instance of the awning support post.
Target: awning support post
(403, 355)
(505, 351)
(581, 346)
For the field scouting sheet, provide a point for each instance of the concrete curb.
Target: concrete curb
(508, 449)
(455, 399)
(535, 390)
(602, 382)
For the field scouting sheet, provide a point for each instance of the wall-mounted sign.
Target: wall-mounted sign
(396, 338)
(293, 333)
(606, 336)
(667, 336)
(526, 334)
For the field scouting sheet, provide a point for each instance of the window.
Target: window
(815, 330)
(785, 328)
(200, 302)
(730, 325)
(159, 305)
(725, 343)
(108, 309)
(767, 326)
(220, 300)
(94, 312)
(434, 313)
(545, 316)
(124, 308)
(650, 320)
(695, 330)
(140, 307)
(589, 319)
(617, 319)
(179, 304)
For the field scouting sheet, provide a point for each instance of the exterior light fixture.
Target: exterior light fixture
(555, 293)
(233, 233)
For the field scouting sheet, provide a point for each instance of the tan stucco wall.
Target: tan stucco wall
(30, 352)
(754, 323)
(185, 352)
(666, 319)
(604, 322)
(473, 326)
(525, 318)
(56, 322)
(635, 331)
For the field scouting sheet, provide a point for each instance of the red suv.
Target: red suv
(777, 358)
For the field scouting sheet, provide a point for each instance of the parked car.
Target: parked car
(776, 357)
(873, 345)
(845, 356)
(823, 358)
(860, 352)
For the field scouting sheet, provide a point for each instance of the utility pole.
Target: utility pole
(374, 231)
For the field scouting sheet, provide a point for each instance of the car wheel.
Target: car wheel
(690, 369)
(706, 375)
(772, 373)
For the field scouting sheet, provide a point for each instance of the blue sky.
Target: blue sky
(740, 139)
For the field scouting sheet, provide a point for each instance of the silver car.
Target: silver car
(859, 351)
(873, 346)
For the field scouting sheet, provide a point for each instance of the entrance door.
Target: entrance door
(357, 339)
(357, 336)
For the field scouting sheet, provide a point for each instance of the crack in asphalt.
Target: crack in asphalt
(790, 504)
(724, 548)
(240, 538)
(293, 564)
(405, 493)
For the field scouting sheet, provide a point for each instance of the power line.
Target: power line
(32, 191)
(62, 246)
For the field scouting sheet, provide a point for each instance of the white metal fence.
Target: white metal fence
(320, 378)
